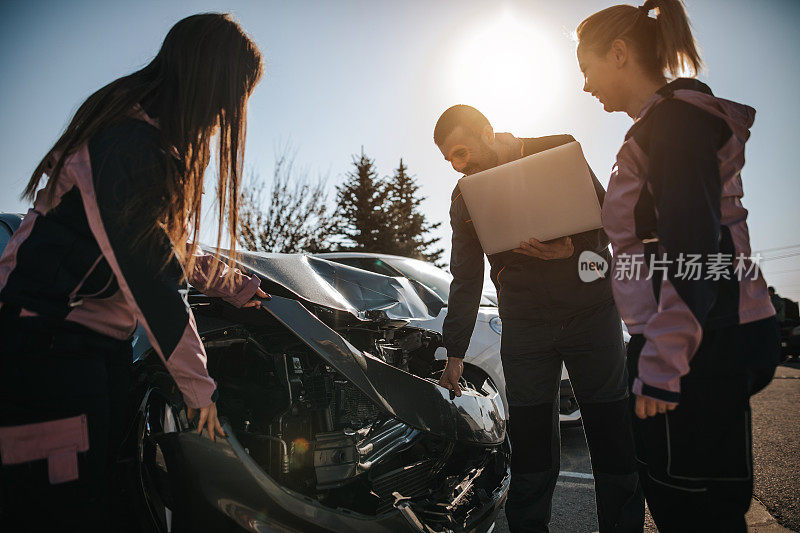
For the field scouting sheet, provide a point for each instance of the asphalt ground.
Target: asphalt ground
(776, 446)
(776, 455)
(573, 501)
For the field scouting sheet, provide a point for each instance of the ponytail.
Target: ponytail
(663, 44)
(675, 46)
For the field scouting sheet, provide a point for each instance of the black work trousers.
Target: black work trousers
(590, 344)
(696, 461)
(50, 372)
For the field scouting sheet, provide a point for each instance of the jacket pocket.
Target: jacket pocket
(58, 441)
(55, 258)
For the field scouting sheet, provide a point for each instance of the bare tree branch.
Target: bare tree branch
(292, 216)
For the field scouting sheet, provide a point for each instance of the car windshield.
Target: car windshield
(429, 275)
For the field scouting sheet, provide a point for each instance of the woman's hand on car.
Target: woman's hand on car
(256, 302)
(208, 420)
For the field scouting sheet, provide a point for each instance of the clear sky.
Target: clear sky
(346, 74)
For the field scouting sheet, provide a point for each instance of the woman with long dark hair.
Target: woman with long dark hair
(104, 248)
(704, 336)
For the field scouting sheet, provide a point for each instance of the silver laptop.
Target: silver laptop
(545, 195)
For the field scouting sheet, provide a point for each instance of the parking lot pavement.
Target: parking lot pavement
(776, 445)
(776, 454)
(573, 501)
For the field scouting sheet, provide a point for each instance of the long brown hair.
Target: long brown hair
(199, 81)
(663, 44)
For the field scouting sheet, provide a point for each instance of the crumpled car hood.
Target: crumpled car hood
(477, 417)
(365, 295)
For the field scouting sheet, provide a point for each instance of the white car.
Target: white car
(483, 354)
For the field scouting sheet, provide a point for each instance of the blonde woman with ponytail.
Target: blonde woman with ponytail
(704, 336)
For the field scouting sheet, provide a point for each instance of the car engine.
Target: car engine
(315, 432)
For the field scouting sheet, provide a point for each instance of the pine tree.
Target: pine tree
(409, 225)
(361, 201)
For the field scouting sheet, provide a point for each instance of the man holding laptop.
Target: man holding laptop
(549, 315)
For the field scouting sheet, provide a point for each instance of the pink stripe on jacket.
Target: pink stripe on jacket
(116, 315)
(672, 324)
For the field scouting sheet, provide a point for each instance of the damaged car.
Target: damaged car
(333, 414)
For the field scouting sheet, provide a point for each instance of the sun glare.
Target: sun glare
(507, 68)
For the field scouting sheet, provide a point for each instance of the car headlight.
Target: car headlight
(496, 325)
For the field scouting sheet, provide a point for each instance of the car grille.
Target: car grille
(410, 481)
(353, 408)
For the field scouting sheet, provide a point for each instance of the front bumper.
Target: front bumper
(228, 489)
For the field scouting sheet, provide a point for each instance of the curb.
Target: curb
(760, 521)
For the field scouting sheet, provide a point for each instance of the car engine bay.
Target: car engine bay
(312, 430)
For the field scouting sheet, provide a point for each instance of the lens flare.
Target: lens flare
(300, 445)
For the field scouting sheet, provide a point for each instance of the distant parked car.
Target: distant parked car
(483, 355)
(790, 342)
(8, 225)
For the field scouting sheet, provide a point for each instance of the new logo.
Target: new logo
(591, 266)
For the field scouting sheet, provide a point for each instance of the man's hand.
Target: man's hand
(555, 249)
(452, 373)
(646, 407)
(208, 420)
(255, 302)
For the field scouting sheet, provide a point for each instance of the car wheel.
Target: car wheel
(157, 416)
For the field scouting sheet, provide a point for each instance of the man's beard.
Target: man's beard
(487, 158)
